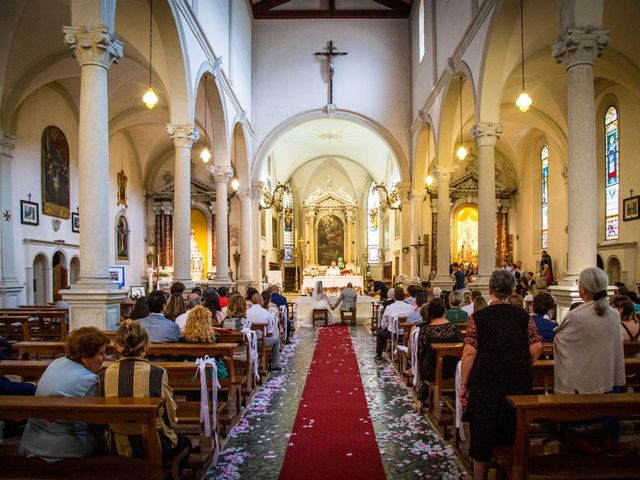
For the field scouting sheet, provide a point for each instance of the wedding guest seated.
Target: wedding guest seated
(199, 326)
(140, 309)
(236, 313)
(159, 328)
(528, 303)
(434, 329)
(74, 375)
(193, 299)
(250, 293)
(133, 376)
(223, 293)
(397, 309)
(211, 300)
(175, 306)
(197, 290)
(479, 303)
(629, 322)
(469, 308)
(415, 317)
(258, 315)
(411, 299)
(517, 300)
(177, 287)
(542, 303)
(389, 300)
(455, 314)
(281, 301)
(267, 304)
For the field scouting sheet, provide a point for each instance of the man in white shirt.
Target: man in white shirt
(333, 270)
(396, 309)
(257, 315)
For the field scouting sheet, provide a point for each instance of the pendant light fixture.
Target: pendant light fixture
(524, 100)
(150, 98)
(461, 153)
(205, 154)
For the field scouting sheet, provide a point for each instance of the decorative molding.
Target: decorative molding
(486, 133)
(7, 144)
(221, 173)
(183, 135)
(49, 243)
(93, 45)
(337, 198)
(580, 45)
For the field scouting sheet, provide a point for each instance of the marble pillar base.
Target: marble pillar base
(93, 307)
(222, 283)
(566, 294)
(9, 294)
(482, 284)
(445, 283)
(243, 285)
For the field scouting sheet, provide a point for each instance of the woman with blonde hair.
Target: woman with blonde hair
(199, 326)
(133, 376)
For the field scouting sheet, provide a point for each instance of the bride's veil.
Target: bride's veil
(317, 291)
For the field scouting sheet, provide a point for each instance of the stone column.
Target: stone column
(222, 175)
(406, 238)
(486, 135)
(417, 197)
(93, 299)
(577, 48)
(245, 195)
(311, 238)
(256, 196)
(349, 253)
(183, 136)
(10, 287)
(443, 279)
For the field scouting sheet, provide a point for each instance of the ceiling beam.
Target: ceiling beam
(266, 5)
(397, 6)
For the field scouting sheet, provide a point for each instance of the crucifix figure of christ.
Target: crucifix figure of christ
(329, 53)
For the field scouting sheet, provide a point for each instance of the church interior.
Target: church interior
(309, 147)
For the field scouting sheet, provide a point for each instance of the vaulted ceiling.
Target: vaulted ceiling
(291, 9)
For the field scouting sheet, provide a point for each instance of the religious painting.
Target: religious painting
(288, 219)
(385, 233)
(263, 223)
(29, 214)
(330, 239)
(122, 188)
(275, 237)
(425, 256)
(630, 208)
(55, 173)
(75, 222)
(396, 223)
(122, 238)
(465, 234)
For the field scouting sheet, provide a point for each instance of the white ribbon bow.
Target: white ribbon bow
(283, 311)
(252, 339)
(395, 327)
(414, 356)
(210, 420)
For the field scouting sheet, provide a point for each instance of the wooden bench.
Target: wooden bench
(530, 408)
(375, 306)
(101, 411)
(244, 372)
(15, 327)
(320, 315)
(348, 316)
(47, 323)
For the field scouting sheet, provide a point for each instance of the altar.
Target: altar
(304, 306)
(332, 284)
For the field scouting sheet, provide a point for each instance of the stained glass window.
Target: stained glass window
(373, 226)
(544, 189)
(612, 182)
(288, 225)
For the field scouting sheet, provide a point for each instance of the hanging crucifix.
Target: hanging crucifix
(329, 53)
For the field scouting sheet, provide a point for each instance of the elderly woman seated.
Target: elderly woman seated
(74, 375)
(133, 376)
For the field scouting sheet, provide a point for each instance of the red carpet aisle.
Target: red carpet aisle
(332, 436)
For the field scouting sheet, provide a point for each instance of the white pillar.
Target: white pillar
(486, 135)
(246, 260)
(256, 195)
(10, 287)
(183, 136)
(94, 300)
(577, 48)
(415, 218)
(443, 279)
(222, 175)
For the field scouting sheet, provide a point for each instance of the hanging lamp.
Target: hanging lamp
(524, 100)
(150, 98)
(205, 154)
(461, 153)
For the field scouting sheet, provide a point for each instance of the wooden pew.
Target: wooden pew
(530, 408)
(10, 329)
(46, 323)
(244, 373)
(98, 411)
(375, 306)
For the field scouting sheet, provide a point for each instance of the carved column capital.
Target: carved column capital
(417, 195)
(245, 192)
(443, 174)
(580, 45)
(222, 173)
(183, 135)
(486, 133)
(7, 144)
(93, 45)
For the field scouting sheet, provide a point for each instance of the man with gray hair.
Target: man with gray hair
(193, 300)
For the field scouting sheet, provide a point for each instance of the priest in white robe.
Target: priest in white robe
(333, 270)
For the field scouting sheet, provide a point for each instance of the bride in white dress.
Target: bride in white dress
(321, 301)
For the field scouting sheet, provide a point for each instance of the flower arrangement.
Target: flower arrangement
(346, 272)
(163, 274)
(311, 272)
(340, 263)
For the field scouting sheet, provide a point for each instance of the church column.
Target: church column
(417, 198)
(406, 238)
(222, 175)
(183, 136)
(256, 196)
(93, 299)
(10, 287)
(349, 254)
(245, 196)
(577, 48)
(486, 135)
(443, 279)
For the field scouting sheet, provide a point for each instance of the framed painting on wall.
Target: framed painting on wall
(29, 213)
(330, 239)
(631, 208)
(263, 224)
(117, 276)
(75, 222)
(55, 173)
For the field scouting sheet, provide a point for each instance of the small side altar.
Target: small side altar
(331, 284)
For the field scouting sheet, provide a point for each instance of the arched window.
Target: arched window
(544, 195)
(373, 226)
(612, 182)
(288, 226)
(421, 31)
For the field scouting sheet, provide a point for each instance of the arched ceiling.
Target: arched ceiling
(332, 137)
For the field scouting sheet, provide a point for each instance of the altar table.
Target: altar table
(304, 306)
(329, 282)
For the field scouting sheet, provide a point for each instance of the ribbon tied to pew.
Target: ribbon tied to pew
(285, 326)
(414, 356)
(252, 339)
(206, 417)
(394, 326)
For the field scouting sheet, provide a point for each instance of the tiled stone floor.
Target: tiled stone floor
(410, 448)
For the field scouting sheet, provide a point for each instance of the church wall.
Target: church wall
(42, 108)
(373, 80)
(452, 19)
(122, 157)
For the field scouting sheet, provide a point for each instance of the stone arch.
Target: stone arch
(40, 287)
(424, 155)
(614, 269)
(240, 158)
(74, 269)
(272, 138)
(216, 113)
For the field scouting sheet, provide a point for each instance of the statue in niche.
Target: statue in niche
(197, 259)
(122, 238)
(329, 182)
(122, 188)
